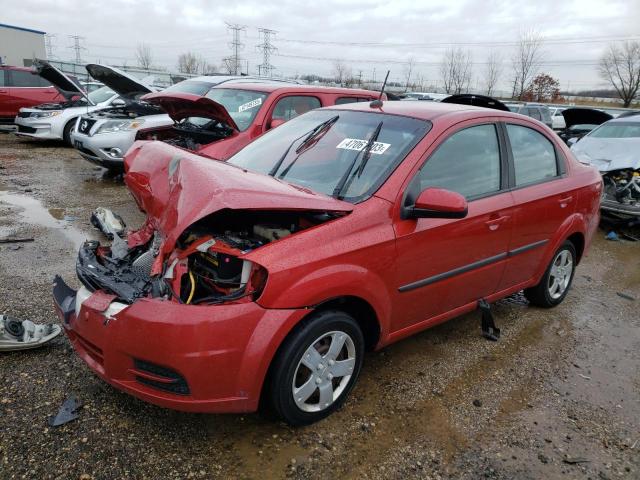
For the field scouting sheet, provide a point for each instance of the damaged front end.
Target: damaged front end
(621, 192)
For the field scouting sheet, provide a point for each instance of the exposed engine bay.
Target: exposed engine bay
(622, 192)
(80, 102)
(133, 109)
(206, 266)
(189, 133)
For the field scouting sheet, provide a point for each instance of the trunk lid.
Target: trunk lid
(177, 188)
(120, 82)
(184, 105)
(67, 87)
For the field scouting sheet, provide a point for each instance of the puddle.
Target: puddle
(34, 213)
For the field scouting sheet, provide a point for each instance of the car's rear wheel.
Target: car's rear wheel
(556, 280)
(66, 133)
(316, 368)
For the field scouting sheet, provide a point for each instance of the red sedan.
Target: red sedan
(345, 229)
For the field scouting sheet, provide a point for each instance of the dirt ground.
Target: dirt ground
(557, 397)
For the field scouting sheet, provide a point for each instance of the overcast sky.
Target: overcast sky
(577, 32)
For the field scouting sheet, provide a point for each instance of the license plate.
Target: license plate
(77, 144)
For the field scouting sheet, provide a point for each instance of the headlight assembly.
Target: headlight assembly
(119, 125)
(51, 113)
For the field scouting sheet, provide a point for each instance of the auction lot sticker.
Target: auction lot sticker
(251, 104)
(356, 144)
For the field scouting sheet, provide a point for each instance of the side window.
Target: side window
(468, 162)
(290, 107)
(24, 79)
(534, 157)
(533, 112)
(2, 78)
(343, 100)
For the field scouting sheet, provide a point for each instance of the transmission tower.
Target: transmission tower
(265, 68)
(235, 62)
(77, 46)
(49, 44)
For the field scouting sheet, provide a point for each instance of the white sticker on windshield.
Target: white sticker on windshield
(356, 144)
(251, 104)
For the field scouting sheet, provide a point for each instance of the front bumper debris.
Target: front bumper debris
(24, 334)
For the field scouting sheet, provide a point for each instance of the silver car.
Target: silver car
(613, 148)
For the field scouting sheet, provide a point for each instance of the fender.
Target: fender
(575, 223)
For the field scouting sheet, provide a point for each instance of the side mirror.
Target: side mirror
(118, 102)
(439, 203)
(276, 122)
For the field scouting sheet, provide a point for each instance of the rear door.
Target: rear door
(443, 264)
(541, 195)
(27, 90)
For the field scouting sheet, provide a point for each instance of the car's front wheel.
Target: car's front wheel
(556, 280)
(316, 368)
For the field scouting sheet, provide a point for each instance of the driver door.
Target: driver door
(444, 264)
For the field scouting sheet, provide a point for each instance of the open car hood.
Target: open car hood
(120, 82)
(476, 101)
(584, 116)
(176, 188)
(67, 87)
(184, 105)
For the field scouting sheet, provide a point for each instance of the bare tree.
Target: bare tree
(144, 57)
(526, 60)
(455, 70)
(341, 72)
(189, 62)
(407, 70)
(620, 66)
(492, 72)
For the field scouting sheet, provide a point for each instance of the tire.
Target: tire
(66, 133)
(289, 371)
(546, 294)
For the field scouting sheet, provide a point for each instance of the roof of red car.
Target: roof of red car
(422, 110)
(269, 87)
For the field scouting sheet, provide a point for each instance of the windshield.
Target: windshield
(336, 150)
(100, 95)
(190, 86)
(617, 130)
(242, 105)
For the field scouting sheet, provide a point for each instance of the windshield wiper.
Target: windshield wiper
(315, 133)
(308, 137)
(346, 179)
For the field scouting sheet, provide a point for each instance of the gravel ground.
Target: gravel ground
(557, 396)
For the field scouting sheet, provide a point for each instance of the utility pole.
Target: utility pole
(265, 68)
(49, 44)
(236, 46)
(77, 46)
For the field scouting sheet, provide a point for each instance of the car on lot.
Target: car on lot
(533, 110)
(19, 88)
(54, 121)
(232, 114)
(103, 137)
(266, 277)
(579, 121)
(418, 96)
(613, 149)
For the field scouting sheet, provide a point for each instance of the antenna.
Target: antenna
(77, 46)
(265, 68)
(378, 103)
(234, 62)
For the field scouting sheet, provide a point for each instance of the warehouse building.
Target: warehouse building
(19, 46)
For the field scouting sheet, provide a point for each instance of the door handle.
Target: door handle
(494, 223)
(565, 201)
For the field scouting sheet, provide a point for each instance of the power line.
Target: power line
(234, 62)
(49, 44)
(77, 46)
(265, 68)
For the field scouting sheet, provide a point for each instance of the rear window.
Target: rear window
(617, 130)
(534, 157)
(190, 86)
(343, 100)
(21, 78)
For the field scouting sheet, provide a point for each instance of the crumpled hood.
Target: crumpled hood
(120, 82)
(587, 116)
(67, 87)
(184, 105)
(609, 154)
(177, 188)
